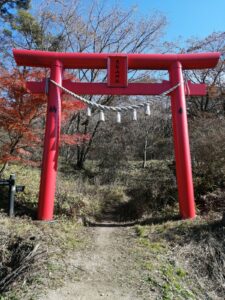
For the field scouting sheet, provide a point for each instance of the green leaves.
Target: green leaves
(7, 8)
(29, 27)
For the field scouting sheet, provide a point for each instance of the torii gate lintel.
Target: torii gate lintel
(141, 89)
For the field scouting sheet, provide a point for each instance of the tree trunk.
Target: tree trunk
(83, 150)
(5, 165)
(145, 154)
(145, 150)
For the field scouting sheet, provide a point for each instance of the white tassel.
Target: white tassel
(102, 116)
(88, 112)
(147, 110)
(134, 115)
(118, 117)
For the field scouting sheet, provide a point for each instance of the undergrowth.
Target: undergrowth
(183, 260)
(180, 260)
(47, 267)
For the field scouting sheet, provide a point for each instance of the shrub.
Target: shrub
(208, 148)
(152, 188)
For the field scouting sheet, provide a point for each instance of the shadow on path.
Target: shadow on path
(145, 221)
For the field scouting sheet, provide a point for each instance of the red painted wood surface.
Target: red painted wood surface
(181, 145)
(51, 147)
(117, 71)
(35, 58)
(91, 88)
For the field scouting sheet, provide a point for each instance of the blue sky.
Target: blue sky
(186, 18)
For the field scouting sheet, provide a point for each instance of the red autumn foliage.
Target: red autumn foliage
(19, 111)
(22, 115)
(69, 106)
(74, 139)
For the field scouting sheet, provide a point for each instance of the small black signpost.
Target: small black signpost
(13, 189)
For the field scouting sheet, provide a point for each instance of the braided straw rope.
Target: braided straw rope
(113, 108)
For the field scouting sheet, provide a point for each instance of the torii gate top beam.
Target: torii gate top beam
(99, 60)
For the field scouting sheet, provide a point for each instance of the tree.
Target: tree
(104, 29)
(154, 133)
(78, 27)
(8, 6)
(22, 119)
(27, 31)
(19, 112)
(214, 101)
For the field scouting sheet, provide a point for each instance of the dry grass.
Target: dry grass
(35, 254)
(178, 259)
(19, 259)
(184, 259)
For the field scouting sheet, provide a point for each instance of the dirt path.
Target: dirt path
(106, 268)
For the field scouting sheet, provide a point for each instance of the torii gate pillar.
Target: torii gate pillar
(181, 144)
(51, 146)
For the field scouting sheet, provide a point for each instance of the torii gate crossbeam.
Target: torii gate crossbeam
(117, 66)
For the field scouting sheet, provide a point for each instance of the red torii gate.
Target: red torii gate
(117, 66)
